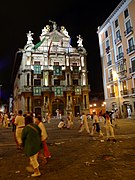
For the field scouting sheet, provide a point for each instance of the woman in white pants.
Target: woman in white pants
(109, 129)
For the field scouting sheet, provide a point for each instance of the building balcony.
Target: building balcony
(107, 49)
(112, 94)
(76, 76)
(117, 40)
(46, 88)
(122, 73)
(120, 56)
(131, 49)
(68, 88)
(128, 31)
(131, 69)
(86, 88)
(109, 63)
(133, 90)
(110, 78)
(28, 67)
(26, 88)
(124, 92)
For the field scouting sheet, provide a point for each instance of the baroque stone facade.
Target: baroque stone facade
(52, 74)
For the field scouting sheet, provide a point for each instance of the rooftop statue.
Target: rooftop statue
(54, 24)
(45, 30)
(64, 31)
(80, 40)
(29, 37)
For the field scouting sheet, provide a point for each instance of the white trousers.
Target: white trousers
(34, 161)
(109, 131)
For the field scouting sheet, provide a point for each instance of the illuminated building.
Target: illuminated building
(52, 74)
(117, 50)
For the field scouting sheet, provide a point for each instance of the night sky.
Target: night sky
(78, 17)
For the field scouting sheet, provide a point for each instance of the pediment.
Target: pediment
(56, 36)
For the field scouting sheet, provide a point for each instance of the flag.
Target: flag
(39, 43)
(49, 50)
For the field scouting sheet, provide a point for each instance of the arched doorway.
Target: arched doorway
(127, 109)
(57, 104)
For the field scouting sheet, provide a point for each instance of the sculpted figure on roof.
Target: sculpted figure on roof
(29, 37)
(80, 40)
(64, 31)
(45, 30)
(54, 25)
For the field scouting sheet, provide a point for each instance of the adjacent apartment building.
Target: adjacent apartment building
(52, 75)
(117, 50)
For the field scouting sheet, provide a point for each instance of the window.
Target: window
(107, 46)
(126, 14)
(37, 82)
(56, 82)
(129, 28)
(109, 61)
(130, 42)
(106, 34)
(75, 69)
(67, 79)
(120, 53)
(110, 75)
(116, 23)
(75, 82)
(56, 63)
(131, 46)
(28, 77)
(119, 49)
(118, 36)
(133, 64)
(122, 66)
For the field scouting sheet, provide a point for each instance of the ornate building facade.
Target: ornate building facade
(117, 51)
(52, 74)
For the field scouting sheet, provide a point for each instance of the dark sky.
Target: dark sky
(79, 17)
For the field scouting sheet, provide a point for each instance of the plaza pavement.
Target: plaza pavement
(76, 156)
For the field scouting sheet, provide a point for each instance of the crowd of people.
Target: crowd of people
(30, 136)
(30, 133)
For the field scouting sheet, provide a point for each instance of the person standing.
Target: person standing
(20, 124)
(84, 124)
(38, 121)
(69, 120)
(31, 141)
(109, 128)
(96, 126)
